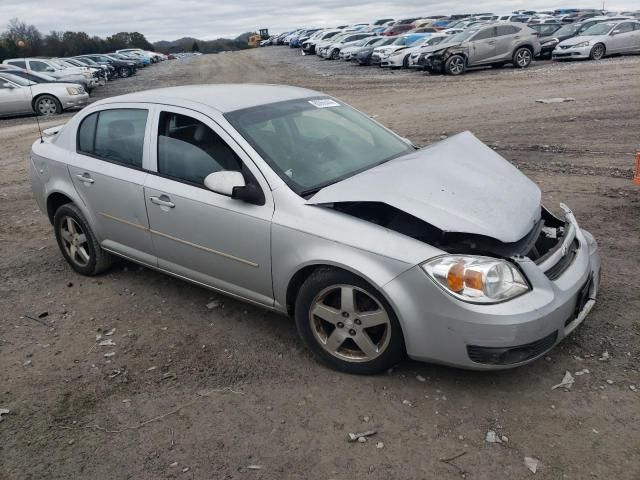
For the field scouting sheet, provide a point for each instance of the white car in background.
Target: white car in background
(49, 67)
(347, 52)
(606, 38)
(400, 58)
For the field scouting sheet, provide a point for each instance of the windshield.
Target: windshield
(568, 29)
(599, 29)
(462, 36)
(23, 82)
(400, 41)
(314, 142)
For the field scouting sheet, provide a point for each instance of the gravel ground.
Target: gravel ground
(230, 392)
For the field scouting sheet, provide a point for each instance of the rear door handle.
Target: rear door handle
(163, 201)
(85, 177)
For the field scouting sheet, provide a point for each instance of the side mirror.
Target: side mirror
(50, 69)
(233, 185)
(224, 182)
(8, 85)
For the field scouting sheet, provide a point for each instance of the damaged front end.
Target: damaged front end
(435, 62)
(551, 243)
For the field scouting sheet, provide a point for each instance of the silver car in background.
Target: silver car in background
(606, 38)
(292, 200)
(19, 96)
(485, 45)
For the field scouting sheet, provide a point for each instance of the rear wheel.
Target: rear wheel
(77, 242)
(47, 105)
(347, 323)
(124, 72)
(597, 52)
(522, 57)
(455, 65)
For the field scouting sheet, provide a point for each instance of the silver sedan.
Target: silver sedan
(21, 96)
(292, 200)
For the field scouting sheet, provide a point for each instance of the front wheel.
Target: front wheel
(597, 52)
(335, 54)
(47, 105)
(124, 72)
(455, 65)
(522, 57)
(347, 323)
(78, 244)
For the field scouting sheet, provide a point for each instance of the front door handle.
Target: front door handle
(85, 177)
(163, 201)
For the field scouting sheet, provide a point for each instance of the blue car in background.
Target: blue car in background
(296, 40)
(441, 24)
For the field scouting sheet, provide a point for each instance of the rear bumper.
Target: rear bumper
(439, 328)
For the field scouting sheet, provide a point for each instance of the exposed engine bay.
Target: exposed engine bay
(542, 239)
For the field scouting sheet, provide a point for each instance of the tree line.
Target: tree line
(62, 44)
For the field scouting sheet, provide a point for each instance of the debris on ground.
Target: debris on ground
(556, 100)
(355, 437)
(4, 411)
(531, 463)
(492, 437)
(420, 378)
(379, 445)
(582, 372)
(610, 382)
(605, 356)
(254, 467)
(567, 382)
(407, 403)
(107, 343)
(214, 304)
(632, 388)
(174, 464)
(110, 332)
(109, 355)
(185, 469)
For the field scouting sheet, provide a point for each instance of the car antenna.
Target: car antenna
(21, 45)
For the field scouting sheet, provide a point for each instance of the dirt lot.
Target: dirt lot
(214, 394)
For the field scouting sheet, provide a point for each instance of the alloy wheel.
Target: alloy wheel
(456, 66)
(47, 106)
(74, 241)
(349, 323)
(523, 58)
(598, 52)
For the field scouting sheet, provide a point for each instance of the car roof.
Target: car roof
(221, 97)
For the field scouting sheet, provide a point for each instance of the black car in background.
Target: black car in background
(123, 68)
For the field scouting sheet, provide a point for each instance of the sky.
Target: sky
(206, 19)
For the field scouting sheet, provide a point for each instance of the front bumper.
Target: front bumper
(74, 101)
(560, 53)
(439, 328)
(393, 61)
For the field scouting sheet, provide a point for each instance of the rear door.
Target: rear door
(482, 46)
(198, 234)
(107, 172)
(506, 41)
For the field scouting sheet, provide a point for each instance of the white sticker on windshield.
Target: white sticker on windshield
(324, 103)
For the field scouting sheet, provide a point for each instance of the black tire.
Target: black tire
(405, 61)
(393, 349)
(335, 54)
(124, 72)
(99, 260)
(455, 65)
(522, 57)
(47, 105)
(598, 52)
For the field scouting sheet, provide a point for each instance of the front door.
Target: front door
(13, 98)
(107, 173)
(483, 47)
(198, 234)
(622, 39)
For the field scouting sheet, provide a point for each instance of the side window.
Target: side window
(189, 150)
(624, 28)
(18, 63)
(485, 34)
(507, 30)
(115, 135)
(37, 66)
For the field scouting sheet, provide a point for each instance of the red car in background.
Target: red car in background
(400, 26)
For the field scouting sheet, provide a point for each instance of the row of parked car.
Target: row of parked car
(48, 86)
(451, 44)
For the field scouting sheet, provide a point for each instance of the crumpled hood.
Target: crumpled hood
(438, 47)
(456, 185)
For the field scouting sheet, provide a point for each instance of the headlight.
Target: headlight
(477, 279)
(73, 91)
(553, 41)
(581, 44)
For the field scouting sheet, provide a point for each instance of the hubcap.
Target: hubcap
(456, 65)
(74, 241)
(523, 58)
(46, 106)
(597, 52)
(349, 323)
